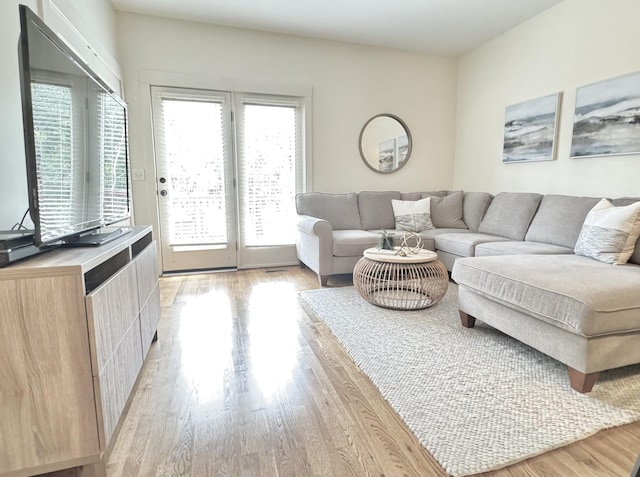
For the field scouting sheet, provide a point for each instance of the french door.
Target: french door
(228, 166)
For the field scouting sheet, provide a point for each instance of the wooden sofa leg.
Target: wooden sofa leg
(583, 383)
(323, 280)
(467, 320)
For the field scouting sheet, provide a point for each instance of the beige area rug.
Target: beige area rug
(476, 399)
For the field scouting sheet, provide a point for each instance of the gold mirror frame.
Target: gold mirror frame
(385, 143)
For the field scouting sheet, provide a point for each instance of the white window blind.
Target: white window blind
(53, 128)
(268, 162)
(193, 155)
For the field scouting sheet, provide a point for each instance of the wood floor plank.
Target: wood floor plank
(244, 382)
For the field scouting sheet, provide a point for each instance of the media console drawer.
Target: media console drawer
(149, 318)
(111, 308)
(115, 382)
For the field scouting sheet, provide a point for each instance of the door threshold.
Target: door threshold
(199, 272)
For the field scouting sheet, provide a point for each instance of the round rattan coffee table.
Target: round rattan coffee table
(413, 282)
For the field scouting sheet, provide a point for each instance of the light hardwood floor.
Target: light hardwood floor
(243, 382)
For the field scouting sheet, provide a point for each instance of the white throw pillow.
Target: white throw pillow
(412, 215)
(609, 233)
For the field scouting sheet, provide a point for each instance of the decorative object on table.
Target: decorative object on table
(530, 130)
(386, 240)
(385, 143)
(607, 118)
(411, 243)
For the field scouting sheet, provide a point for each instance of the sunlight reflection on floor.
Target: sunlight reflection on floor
(206, 338)
(273, 335)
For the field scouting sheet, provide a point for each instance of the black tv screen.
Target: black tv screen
(75, 131)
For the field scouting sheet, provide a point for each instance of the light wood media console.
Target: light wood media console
(75, 328)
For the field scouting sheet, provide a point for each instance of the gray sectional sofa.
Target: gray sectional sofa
(513, 258)
(335, 229)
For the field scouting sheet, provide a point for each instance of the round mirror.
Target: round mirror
(385, 143)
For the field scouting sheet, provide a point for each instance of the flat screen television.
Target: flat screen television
(76, 147)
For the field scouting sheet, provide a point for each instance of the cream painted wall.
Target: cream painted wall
(348, 84)
(577, 42)
(13, 179)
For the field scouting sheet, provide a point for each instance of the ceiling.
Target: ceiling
(446, 27)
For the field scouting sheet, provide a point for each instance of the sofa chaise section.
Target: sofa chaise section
(583, 313)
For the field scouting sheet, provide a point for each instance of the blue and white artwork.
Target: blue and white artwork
(607, 118)
(530, 130)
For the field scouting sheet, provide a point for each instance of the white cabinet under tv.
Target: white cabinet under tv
(75, 327)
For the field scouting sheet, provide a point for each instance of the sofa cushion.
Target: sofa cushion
(411, 196)
(635, 258)
(572, 292)
(474, 206)
(446, 211)
(510, 214)
(352, 243)
(422, 195)
(429, 236)
(341, 210)
(517, 247)
(412, 215)
(610, 233)
(463, 244)
(559, 219)
(375, 209)
(435, 193)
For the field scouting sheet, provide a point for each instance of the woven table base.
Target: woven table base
(401, 286)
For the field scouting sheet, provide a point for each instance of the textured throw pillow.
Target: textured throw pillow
(412, 215)
(609, 233)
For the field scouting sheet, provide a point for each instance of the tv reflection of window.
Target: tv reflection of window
(111, 143)
(60, 147)
(54, 143)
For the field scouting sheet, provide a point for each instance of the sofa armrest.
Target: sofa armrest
(315, 226)
(314, 244)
